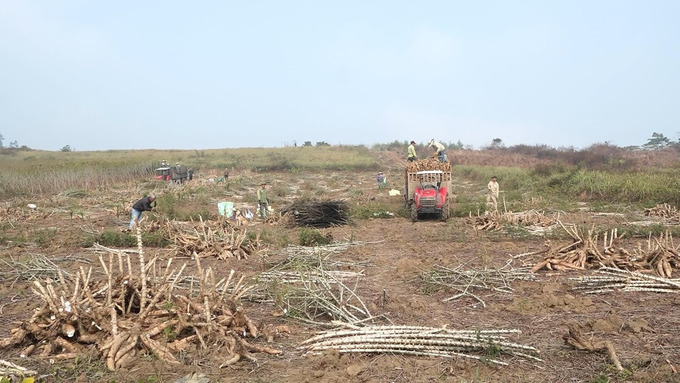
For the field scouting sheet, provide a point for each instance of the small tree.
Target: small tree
(14, 144)
(658, 141)
(307, 143)
(496, 143)
(1, 140)
(66, 148)
(322, 143)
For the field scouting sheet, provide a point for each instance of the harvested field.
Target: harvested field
(377, 277)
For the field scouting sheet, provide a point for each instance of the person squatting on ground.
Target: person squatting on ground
(412, 156)
(439, 150)
(140, 206)
(492, 197)
(262, 201)
(382, 181)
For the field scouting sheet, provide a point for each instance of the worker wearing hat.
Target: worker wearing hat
(439, 150)
(412, 156)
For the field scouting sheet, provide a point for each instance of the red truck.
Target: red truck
(427, 192)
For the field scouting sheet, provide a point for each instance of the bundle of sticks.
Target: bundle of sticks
(664, 211)
(427, 164)
(660, 256)
(318, 214)
(307, 291)
(134, 310)
(323, 254)
(609, 279)
(486, 345)
(465, 281)
(213, 239)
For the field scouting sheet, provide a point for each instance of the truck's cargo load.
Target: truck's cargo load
(428, 164)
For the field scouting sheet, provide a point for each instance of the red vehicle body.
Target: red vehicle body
(427, 192)
(430, 199)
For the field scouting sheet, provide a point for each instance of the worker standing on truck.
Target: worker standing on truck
(439, 150)
(140, 206)
(262, 201)
(412, 156)
(492, 198)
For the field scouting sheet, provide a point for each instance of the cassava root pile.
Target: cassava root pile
(665, 211)
(532, 219)
(211, 239)
(425, 341)
(576, 339)
(428, 164)
(661, 255)
(135, 310)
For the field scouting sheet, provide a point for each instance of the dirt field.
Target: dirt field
(643, 327)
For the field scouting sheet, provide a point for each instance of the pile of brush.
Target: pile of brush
(665, 211)
(467, 281)
(319, 214)
(136, 310)
(661, 255)
(308, 289)
(211, 239)
(486, 345)
(427, 164)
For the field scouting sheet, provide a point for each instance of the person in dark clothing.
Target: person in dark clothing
(191, 174)
(140, 206)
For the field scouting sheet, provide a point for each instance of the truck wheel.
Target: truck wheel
(414, 212)
(445, 212)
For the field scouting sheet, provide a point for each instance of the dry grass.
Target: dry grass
(41, 172)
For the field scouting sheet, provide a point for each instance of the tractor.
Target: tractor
(427, 192)
(177, 174)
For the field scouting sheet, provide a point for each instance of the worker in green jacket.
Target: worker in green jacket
(412, 156)
(262, 201)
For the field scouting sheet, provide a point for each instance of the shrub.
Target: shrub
(313, 237)
(115, 238)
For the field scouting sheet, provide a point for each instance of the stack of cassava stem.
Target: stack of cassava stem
(135, 310)
(467, 281)
(608, 279)
(422, 341)
(319, 214)
(211, 239)
(427, 164)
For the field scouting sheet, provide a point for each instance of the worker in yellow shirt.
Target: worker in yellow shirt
(412, 156)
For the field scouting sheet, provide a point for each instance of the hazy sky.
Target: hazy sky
(212, 74)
